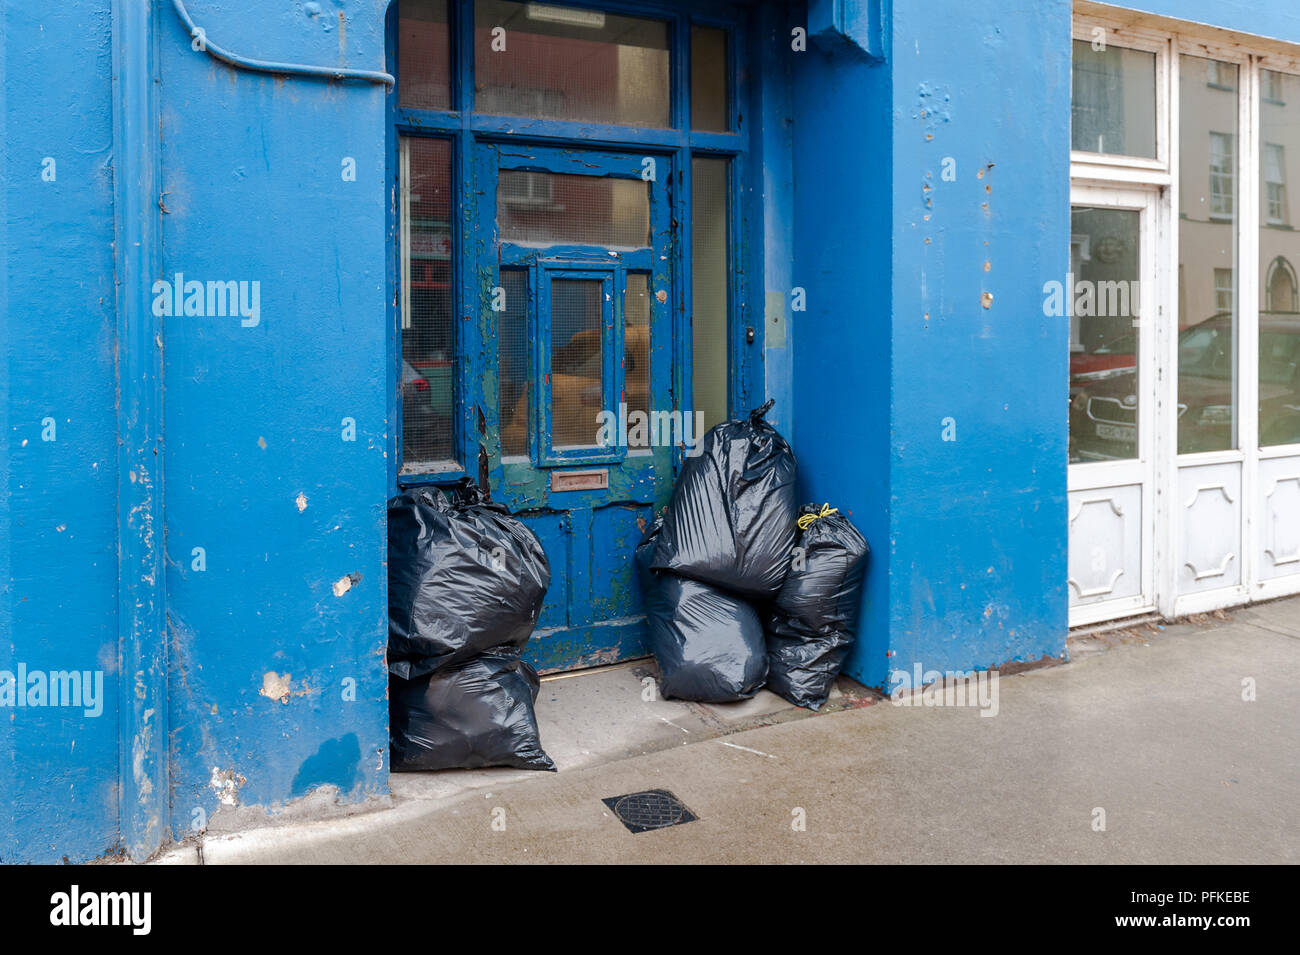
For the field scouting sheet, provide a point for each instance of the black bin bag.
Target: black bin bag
(731, 521)
(463, 577)
(814, 619)
(467, 715)
(708, 643)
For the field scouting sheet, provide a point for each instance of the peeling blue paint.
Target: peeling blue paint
(337, 763)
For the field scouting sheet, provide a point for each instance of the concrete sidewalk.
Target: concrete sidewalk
(1148, 725)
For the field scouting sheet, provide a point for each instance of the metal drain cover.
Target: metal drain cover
(652, 809)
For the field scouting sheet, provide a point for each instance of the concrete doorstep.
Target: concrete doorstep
(1175, 743)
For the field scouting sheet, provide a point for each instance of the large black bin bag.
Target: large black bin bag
(709, 643)
(467, 715)
(462, 578)
(731, 521)
(814, 619)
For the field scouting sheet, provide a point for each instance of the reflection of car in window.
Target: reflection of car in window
(1104, 393)
(1118, 354)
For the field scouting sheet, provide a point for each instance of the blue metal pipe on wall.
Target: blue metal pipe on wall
(210, 47)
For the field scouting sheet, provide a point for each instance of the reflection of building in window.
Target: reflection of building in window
(1221, 76)
(527, 188)
(1223, 290)
(1280, 287)
(1221, 174)
(1113, 103)
(1275, 183)
(1098, 86)
(1272, 86)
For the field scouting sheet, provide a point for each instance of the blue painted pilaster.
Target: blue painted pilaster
(141, 602)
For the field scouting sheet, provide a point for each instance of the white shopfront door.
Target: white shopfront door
(1112, 479)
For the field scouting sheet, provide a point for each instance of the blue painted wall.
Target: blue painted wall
(968, 534)
(58, 554)
(275, 686)
(843, 204)
(276, 432)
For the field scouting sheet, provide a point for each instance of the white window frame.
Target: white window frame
(1110, 167)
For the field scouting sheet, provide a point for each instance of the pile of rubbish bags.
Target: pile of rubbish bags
(466, 582)
(742, 586)
(743, 589)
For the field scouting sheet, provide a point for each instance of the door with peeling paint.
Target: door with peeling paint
(575, 279)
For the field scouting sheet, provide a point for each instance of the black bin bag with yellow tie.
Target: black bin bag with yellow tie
(813, 621)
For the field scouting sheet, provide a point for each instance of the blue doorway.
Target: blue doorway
(569, 307)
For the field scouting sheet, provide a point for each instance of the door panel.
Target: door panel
(1279, 519)
(576, 271)
(553, 532)
(615, 590)
(1109, 565)
(1209, 527)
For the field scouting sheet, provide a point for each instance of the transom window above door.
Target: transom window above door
(561, 63)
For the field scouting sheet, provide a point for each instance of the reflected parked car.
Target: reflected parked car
(1116, 355)
(1104, 401)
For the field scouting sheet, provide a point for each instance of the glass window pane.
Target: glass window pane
(1113, 107)
(555, 62)
(1105, 261)
(423, 55)
(710, 287)
(512, 363)
(1279, 258)
(428, 338)
(636, 352)
(1207, 250)
(577, 362)
(709, 79)
(544, 208)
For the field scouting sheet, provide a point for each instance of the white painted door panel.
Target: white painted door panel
(1105, 545)
(1209, 527)
(1278, 522)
